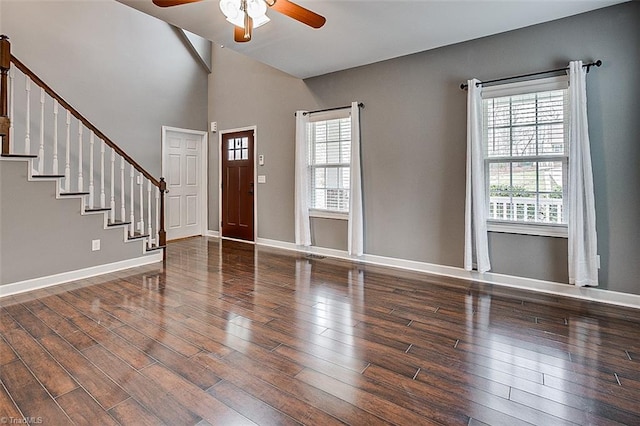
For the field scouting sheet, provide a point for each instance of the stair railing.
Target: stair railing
(127, 192)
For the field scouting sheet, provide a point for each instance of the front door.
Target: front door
(183, 151)
(237, 185)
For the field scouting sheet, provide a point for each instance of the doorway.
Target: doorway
(184, 157)
(237, 151)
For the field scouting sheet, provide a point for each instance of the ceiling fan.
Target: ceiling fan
(246, 15)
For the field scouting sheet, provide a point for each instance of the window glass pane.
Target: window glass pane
(345, 154)
(550, 177)
(499, 142)
(551, 106)
(500, 178)
(320, 199)
(333, 152)
(524, 177)
(498, 112)
(523, 141)
(345, 174)
(551, 139)
(321, 131)
(245, 142)
(321, 153)
(230, 142)
(238, 143)
(319, 181)
(523, 109)
(333, 130)
(231, 155)
(345, 129)
(245, 154)
(332, 178)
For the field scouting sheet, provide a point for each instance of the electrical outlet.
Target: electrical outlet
(95, 245)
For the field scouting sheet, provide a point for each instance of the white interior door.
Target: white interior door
(183, 169)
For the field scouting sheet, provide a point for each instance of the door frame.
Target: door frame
(203, 193)
(253, 128)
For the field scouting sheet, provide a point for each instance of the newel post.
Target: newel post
(5, 64)
(162, 234)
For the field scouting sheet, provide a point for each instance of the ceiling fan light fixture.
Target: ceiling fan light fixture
(256, 9)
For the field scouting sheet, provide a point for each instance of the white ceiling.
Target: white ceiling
(360, 32)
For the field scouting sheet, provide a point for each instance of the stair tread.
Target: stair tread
(154, 248)
(118, 223)
(47, 176)
(19, 156)
(63, 194)
(137, 236)
(97, 209)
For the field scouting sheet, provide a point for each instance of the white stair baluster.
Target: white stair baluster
(123, 214)
(132, 217)
(12, 75)
(157, 234)
(149, 228)
(141, 184)
(27, 136)
(41, 149)
(67, 165)
(80, 177)
(54, 168)
(91, 188)
(102, 197)
(112, 213)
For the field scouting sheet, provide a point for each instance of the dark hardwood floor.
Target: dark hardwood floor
(234, 334)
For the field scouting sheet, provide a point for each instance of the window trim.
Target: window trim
(559, 230)
(314, 118)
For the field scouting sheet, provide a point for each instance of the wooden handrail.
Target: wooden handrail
(5, 64)
(22, 67)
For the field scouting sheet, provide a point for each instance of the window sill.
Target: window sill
(326, 214)
(538, 229)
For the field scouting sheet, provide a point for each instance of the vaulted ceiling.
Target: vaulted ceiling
(360, 32)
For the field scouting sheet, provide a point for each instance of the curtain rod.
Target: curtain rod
(360, 104)
(597, 63)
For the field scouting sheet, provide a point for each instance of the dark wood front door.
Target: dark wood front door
(237, 185)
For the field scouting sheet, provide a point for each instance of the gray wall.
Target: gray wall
(243, 93)
(52, 231)
(413, 142)
(127, 72)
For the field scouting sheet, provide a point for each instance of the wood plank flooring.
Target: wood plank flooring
(229, 333)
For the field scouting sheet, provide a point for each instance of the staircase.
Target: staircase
(38, 126)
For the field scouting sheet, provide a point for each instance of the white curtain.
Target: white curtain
(583, 270)
(475, 215)
(355, 243)
(301, 198)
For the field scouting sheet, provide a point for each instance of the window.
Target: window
(238, 149)
(525, 130)
(329, 165)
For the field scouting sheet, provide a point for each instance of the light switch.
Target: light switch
(262, 179)
(261, 160)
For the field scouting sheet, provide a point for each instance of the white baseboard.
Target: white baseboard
(541, 286)
(37, 283)
(211, 233)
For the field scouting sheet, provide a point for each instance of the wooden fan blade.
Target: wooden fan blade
(238, 35)
(297, 12)
(169, 3)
